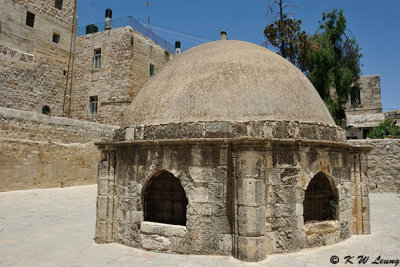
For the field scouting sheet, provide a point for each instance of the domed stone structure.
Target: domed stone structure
(227, 81)
(229, 150)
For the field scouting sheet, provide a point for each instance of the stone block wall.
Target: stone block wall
(38, 151)
(383, 164)
(394, 115)
(125, 67)
(245, 198)
(32, 67)
(288, 173)
(202, 170)
(370, 94)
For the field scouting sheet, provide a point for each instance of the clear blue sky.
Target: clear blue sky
(375, 25)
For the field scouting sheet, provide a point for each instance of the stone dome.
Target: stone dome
(227, 81)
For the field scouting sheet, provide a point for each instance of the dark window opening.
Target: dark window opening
(46, 110)
(56, 38)
(152, 70)
(93, 104)
(58, 4)
(365, 132)
(319, 202)
(356, 98)
(30, 19)
(165, 200)
(97, 59)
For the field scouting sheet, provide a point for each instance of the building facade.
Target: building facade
(35, 47)
(111, 67)
(364, 109)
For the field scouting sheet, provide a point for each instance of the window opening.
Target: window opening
(46, 110)
(58, 4)
(56, 38)
(93, 105)
(356, 98)
(97, 59)
(30, 19)
(319, 202)
(152, 70)
(165, 200)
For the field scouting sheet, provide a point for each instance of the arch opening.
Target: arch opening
(165, 200)
(320, 203)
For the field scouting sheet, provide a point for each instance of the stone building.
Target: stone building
(111, 66)
(229, 150)
(35, 46)
(364, 109)
(46, 68)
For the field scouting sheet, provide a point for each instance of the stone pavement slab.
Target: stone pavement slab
(55, 227)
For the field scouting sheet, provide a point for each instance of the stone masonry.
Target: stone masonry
(32, 67)
(38, 151)
(370, 94)
(383, 164)
(245, 195)
(126, 56)
(231, 148)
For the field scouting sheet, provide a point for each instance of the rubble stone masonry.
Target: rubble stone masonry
(383, 164)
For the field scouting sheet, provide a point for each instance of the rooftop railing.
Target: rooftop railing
(136, 25)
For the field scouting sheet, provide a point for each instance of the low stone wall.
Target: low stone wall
(383, 164)
(394, 114)
(38, 151)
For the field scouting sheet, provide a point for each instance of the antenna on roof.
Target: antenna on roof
(148, 17)
(92, 13)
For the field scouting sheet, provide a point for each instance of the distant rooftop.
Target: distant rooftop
(136, 25)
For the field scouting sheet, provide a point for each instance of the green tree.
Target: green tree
(333, 63)
(284, 33)
(330, 58)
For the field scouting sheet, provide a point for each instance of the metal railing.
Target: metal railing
(136, 25)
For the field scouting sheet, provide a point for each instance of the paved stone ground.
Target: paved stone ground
(55, 227)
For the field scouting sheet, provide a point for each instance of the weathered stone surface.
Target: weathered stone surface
(155, 242)
(289, 240)
(151, 228)
(125, 59)
(251, 221)
(130, 133)
(251, 192)
(252, 248)
(225, 244)
(383, 164)
(203, 242)
(321, 227)
(38, 151)
(31, 65)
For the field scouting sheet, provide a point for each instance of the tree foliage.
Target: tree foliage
(383, 130)
(285, 34)
(334, 63)
(330, 58)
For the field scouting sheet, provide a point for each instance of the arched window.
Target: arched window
(165, 200)
(319, 202)
(46, 110)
